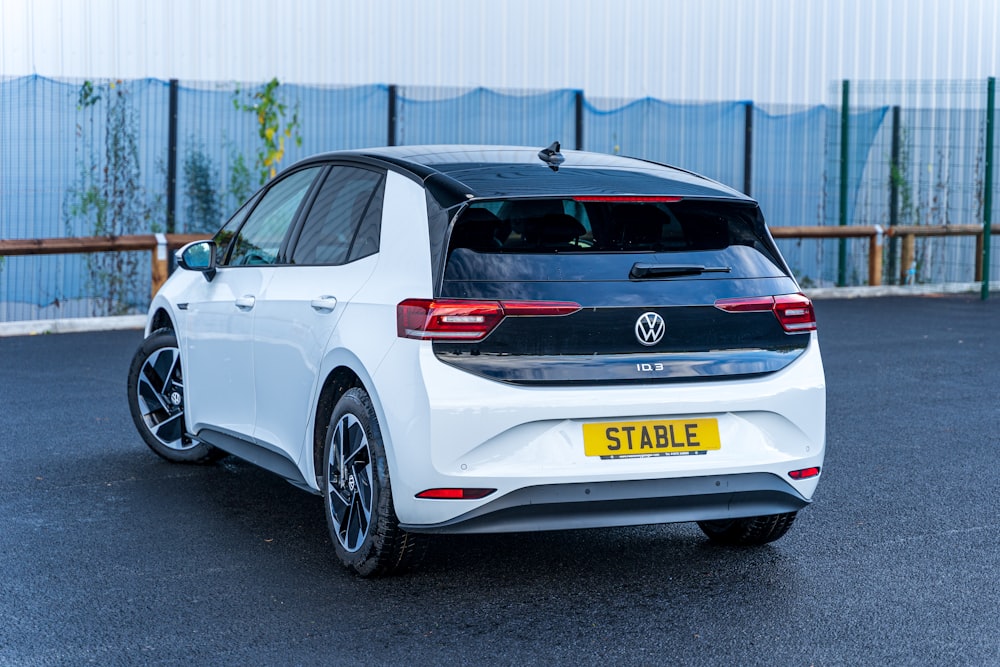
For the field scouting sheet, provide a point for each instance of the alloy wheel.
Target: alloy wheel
(160, 390)
(349, 483)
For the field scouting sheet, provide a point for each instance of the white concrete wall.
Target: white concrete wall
(764, 50)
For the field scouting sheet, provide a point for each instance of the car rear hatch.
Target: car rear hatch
(612, 290)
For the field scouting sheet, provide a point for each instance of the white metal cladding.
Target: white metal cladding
(785, 51)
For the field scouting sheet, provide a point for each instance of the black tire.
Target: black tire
(749, 532)
(156, 401)
(357, 495)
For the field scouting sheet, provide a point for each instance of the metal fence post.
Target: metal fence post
(391, 130)
(172, 158)
(747, 148)
(844, 152)
(579, 119)
(991, 84)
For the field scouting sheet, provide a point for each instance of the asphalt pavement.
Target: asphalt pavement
(109, 555)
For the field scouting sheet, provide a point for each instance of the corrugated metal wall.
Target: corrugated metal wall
(785, 51)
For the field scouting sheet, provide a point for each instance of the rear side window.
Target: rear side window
(344, 222)
(575, 226)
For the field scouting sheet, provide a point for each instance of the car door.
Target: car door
(333, 256)
(219, 373)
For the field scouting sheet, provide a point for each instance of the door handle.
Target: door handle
(246, 302)
(324, 304)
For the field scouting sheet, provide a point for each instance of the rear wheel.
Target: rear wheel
(357, 493)
(750, 531)
(156, 401)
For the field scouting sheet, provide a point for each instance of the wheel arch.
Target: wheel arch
(338, 381)
(160, 319)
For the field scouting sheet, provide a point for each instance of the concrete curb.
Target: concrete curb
(73, 325)
(896, 290)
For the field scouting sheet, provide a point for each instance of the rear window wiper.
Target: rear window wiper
(643, 271)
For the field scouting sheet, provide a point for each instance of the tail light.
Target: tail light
(794, 311)
(462, 320)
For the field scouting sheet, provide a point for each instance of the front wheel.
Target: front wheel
(156, 401)
(750, 531)
(357, 494)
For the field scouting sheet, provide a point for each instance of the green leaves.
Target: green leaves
(273, 125)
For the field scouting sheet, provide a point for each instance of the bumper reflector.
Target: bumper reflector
(455, 494)
(805, 473)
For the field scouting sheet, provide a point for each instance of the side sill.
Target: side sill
(263, 457)
(626, 503)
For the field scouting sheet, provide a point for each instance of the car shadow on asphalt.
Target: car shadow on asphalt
(261, 504)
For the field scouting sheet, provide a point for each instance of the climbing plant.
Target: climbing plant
(108, 198)
(274, 125)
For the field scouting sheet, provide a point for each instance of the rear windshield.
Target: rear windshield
(573, 226)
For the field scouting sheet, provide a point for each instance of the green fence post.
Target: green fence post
(844, 151)
(991, 85)
(895, 175)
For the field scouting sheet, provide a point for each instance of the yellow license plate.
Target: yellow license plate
(651, 438)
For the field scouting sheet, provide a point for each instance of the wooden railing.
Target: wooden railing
(876, 235)
(161, 244)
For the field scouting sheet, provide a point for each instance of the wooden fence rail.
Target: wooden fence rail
(875, 235)
(160, 244)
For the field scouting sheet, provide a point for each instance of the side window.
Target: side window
(260, 238)
(225, 235)
(344, 221)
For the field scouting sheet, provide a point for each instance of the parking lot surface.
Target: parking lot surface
(112, 556)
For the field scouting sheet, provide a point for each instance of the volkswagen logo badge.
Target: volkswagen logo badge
(649, 328)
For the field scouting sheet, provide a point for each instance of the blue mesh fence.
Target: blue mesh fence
(791, 173)
(90, 158)
(705, 138)
(938, 174)
(480, 116)
(79, 162)
(216, 140)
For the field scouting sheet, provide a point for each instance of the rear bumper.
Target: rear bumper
(446, 428)
(626, 503)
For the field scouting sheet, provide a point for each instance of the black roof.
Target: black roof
(458, 173)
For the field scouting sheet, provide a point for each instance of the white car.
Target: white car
(464, 339)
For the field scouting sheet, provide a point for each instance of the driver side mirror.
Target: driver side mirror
(198, 256)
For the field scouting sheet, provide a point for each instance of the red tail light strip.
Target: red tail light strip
(461, 320)
(794, 311)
